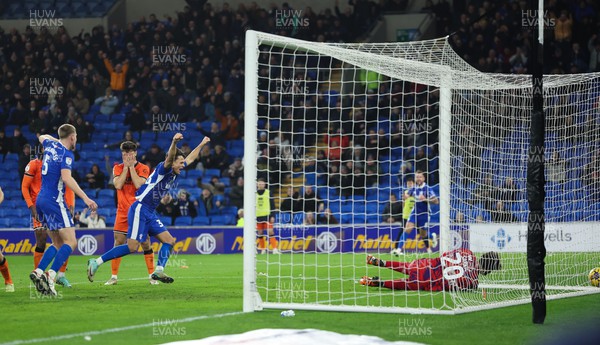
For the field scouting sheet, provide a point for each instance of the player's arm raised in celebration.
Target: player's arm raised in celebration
(195, 152)
(46, 137)
(65, 174)
(173, 150)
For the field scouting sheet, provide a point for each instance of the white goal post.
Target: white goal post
(380, 113)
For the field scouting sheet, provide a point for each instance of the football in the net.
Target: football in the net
(595, 277)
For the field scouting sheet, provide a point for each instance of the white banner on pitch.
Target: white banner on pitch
(512, 238)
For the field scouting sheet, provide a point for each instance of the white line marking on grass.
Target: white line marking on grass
(115, 330)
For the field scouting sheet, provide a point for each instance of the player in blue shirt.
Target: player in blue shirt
(419, 217)
(142, 218)
(52, 211)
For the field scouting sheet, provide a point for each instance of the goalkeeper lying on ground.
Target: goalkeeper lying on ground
(454, 270)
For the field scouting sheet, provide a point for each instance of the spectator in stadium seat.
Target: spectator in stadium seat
(460, 218)
(232, 124)
(310, 200)
(84, 129)
(334, 177)
(309, 219)
(137, 120)
(40, 123)
(167, 207)
(204, 158)
(153, 156)
(197, 110)
(327, 218)
(81, 103)
(96, 178)
(508, 192)
(217, 136)
(17, 141)
(184, 206)
(220, 159)
(591, 177)
(359, 181)
(392, 213)
(501, 215)
(236, 195)
(485, 193)
(108, 103)
(215, 186)
(372, 170)
(117, 74)
(290, 203)
(207, 199)
(19, 115)
(235, 170)
(557, 168)
(93, 221)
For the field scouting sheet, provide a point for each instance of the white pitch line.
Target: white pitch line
(115, 330)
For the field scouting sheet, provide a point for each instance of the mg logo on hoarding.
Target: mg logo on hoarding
(326, 242)
(87, 245)
(501, 238)
(206, 244)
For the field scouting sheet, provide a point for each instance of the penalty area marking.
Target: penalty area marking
(115, 330)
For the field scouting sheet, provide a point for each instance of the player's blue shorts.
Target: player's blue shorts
(53, 214)
(142, 222)
(420, 221)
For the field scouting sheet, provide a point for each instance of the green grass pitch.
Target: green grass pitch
(206, 300)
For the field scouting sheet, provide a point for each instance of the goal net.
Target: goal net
(349, 138)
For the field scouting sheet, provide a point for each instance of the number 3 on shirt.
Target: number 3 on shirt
(45, 165)
(455, 270)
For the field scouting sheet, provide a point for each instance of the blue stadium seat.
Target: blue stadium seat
(211, 172)
(107, 193)
(183, 221)
(193, 173)
(201, 221)
(4, 222)
(221, 220)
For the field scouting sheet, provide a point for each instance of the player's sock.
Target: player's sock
(63, 268)
(261, 243)
(397, 242)
(401, 241)
(37, 256)
(61, 257)
(273, 242)
(163, 254)
(116, 252)
(159, 268)
(5, 271)
(114, 266)
(149, 257)
(60, 274)
(49, 255)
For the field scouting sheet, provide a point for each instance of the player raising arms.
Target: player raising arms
(30, 188)
(8, 283)
(51, 208)
(454, 270)
(419, 217)
(142, 218)
(129, 176)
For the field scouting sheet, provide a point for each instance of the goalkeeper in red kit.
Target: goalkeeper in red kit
(455, 270)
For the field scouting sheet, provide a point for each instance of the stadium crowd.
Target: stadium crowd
(120, 75)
